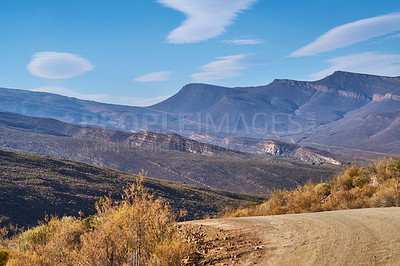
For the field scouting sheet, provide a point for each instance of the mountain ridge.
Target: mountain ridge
(303, 112)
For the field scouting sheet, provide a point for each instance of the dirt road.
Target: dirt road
(350, 237)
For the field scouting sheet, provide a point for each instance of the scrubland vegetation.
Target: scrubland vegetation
(139, 228)
(376, 184)
(32, 186)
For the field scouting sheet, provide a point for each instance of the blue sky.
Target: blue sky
(138, 52)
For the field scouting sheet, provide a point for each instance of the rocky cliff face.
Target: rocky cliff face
(280, 149)
(171, 142)
(387, 96)
(269, 148)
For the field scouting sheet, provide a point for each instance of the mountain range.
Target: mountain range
(337, 110)
(344, 110)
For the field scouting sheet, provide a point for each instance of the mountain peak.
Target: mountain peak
(193, 97)
(346, 74)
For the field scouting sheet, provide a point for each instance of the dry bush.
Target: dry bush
(139, 228)
(374, 185)
(384, 169)
(276, 204)
(352, 177)
(4, 256)
(303, 199)
(388, 194)
(4, 253)
(50, 243)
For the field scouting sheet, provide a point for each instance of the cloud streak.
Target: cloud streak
(71, 93)
(205, 19)
(53, 65)
(351, 33)
(243, 42)
(223, 68)
(106, 98)
(154, 76)
(368, 63)
(395, 36)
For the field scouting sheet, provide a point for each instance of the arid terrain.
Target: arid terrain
(349, 237)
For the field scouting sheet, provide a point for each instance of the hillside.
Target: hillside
(145, 139)
(32, 186)
(223, 169)
(159, 141)
(376, 132)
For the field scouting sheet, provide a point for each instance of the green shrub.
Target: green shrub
(322, 189)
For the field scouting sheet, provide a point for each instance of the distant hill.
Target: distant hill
(32, 186)
(145, 139)
(161, 141)
(163, 156)
(307, 113)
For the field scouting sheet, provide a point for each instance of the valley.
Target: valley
(162, 156)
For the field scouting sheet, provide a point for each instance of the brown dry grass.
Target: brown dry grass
(139, 228)
(374, 185)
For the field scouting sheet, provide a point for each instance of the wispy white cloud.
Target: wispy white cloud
(351, 33)
(53, 65)
(71, 93)
(368, 63)
(154, 76)
(106, 98)
(150, 101)
(223, 68)
(395, 36)
(205, 19)
(243, 41)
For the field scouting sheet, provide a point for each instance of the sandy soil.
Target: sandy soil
(349, 237)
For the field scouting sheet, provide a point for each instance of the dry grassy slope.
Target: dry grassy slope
(348, 237)
(31, 186)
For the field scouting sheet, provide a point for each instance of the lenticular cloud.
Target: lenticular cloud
(351, 33)
(205, 19)
(53, 65)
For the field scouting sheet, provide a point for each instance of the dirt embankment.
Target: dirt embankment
(349, 237)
